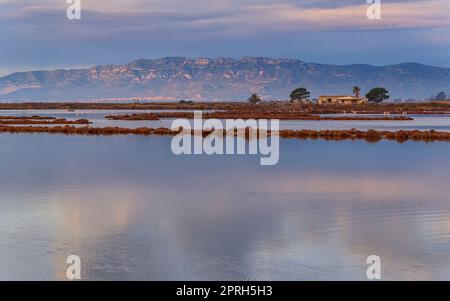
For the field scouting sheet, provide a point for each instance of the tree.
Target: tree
(377, 95)
(356, 91)
(300, 94)
(254, 99)
(441, 96)
(189, 102)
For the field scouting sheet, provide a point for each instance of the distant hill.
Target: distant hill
(220, 79)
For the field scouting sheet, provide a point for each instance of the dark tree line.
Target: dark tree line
(376, 95)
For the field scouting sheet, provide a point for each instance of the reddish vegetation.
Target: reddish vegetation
(277, 110)
(359, 118)
(146, 116)
(71, 130)
(35, 117)
(252, 115)
(392, 108)
(370, 136)
(50, 120)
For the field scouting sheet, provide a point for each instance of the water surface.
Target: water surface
(133, 210)
(420, 122)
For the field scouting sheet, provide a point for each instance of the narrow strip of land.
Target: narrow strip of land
(29, 121)
(254, 115)
(353, 134)
(383, 108)
(34, 117)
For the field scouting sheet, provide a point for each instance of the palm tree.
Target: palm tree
(356, 91)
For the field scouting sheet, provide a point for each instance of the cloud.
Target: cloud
(39, 30)
(291, 17)
(250, 16)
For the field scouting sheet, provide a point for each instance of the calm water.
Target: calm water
(132, 210)
(420, 122)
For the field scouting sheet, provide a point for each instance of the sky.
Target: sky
(37, 35)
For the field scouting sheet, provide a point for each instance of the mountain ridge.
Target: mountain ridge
(221, 78)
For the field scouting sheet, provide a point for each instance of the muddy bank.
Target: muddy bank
(29, 121)
(35, 117)
(392, 108)
(71, 130)
(370, 136)
(125, 106)
(252, 115)
(135, 117)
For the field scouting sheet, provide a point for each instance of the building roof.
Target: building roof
(338, 96)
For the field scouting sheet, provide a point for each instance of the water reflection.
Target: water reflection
(420, 122)
(132, 210)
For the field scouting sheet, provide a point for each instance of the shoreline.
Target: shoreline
(335, 135)
(43, 121)
(422, 108)
(252, 115)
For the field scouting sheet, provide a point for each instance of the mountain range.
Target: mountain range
(212, 79)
